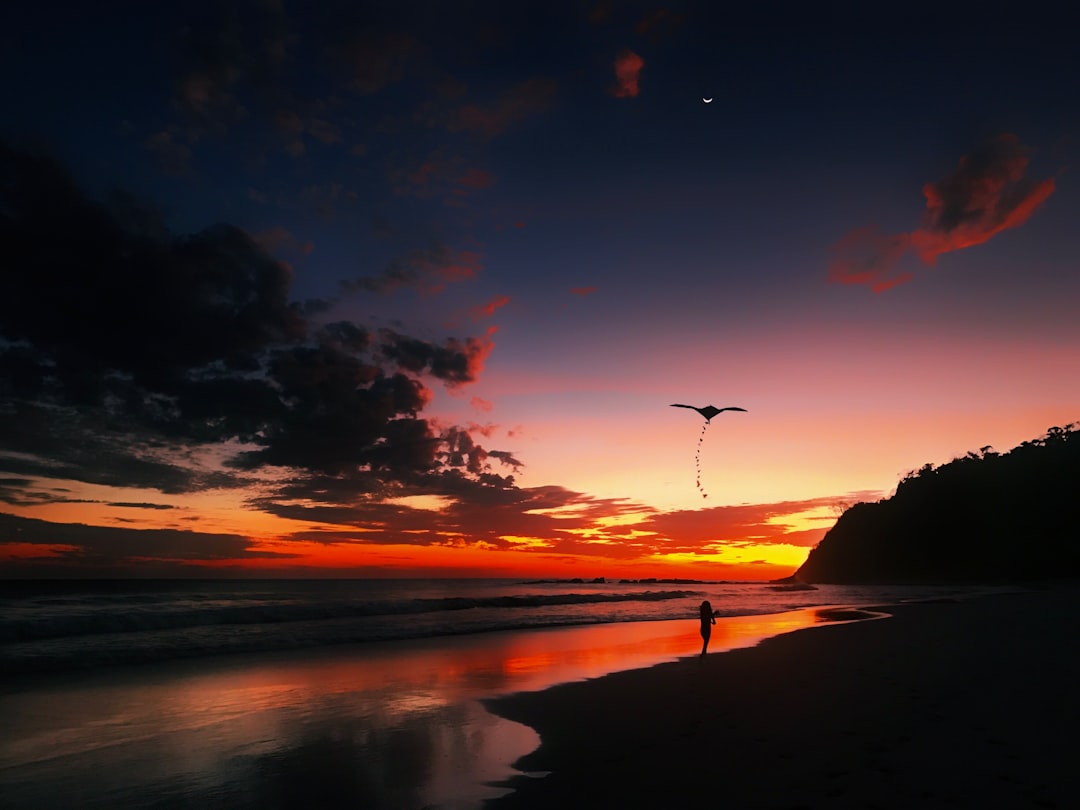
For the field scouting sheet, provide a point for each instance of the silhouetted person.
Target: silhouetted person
(708, 619)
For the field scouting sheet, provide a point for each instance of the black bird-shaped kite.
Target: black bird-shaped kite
(709, 411)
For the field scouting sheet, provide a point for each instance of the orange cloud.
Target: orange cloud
(985, 195)
(628, 67)
(476, 351)
(752, 524)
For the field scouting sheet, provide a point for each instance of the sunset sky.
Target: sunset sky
(407, 289)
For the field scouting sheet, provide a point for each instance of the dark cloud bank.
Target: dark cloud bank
(129, 356)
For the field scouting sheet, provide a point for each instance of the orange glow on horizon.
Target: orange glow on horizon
(585, 538)
(748, 562)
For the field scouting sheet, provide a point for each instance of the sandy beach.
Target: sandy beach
(970, 703)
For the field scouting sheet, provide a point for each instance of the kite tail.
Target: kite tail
(697, 460)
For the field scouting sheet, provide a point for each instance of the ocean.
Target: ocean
(59, 626)
(290, 694)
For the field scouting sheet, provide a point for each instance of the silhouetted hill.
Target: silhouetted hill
(985, 517)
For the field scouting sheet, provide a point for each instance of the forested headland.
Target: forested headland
(983, 517)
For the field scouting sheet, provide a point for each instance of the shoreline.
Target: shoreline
(965, 703)
(398, 724)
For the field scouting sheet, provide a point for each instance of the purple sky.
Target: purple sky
(338, 269)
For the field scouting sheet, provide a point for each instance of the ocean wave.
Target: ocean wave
(124, 617)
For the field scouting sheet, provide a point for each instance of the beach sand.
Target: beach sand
(958, 704)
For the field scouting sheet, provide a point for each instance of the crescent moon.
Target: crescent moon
(707, 100)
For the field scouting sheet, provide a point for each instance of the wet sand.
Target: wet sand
(387, 726)
(967, 704)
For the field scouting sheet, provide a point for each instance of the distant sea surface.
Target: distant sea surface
(60, 626)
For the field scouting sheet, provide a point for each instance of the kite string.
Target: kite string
(697, 460)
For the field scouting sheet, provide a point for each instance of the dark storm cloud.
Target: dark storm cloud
(343, 413)
(450, 464)
(986, 194)
(82, 444)
(506, 458)
(82, 286)
(464, 452)
(26, 492)
(125, 350)
(456, 362)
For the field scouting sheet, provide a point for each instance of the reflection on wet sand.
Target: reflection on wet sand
(378, 726)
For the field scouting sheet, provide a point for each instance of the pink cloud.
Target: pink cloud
(465, 264)
(867, 256)
(482, 404)
(488, 309)
(583, 291)
(475, 351)
(986, 194)
(628, 67)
